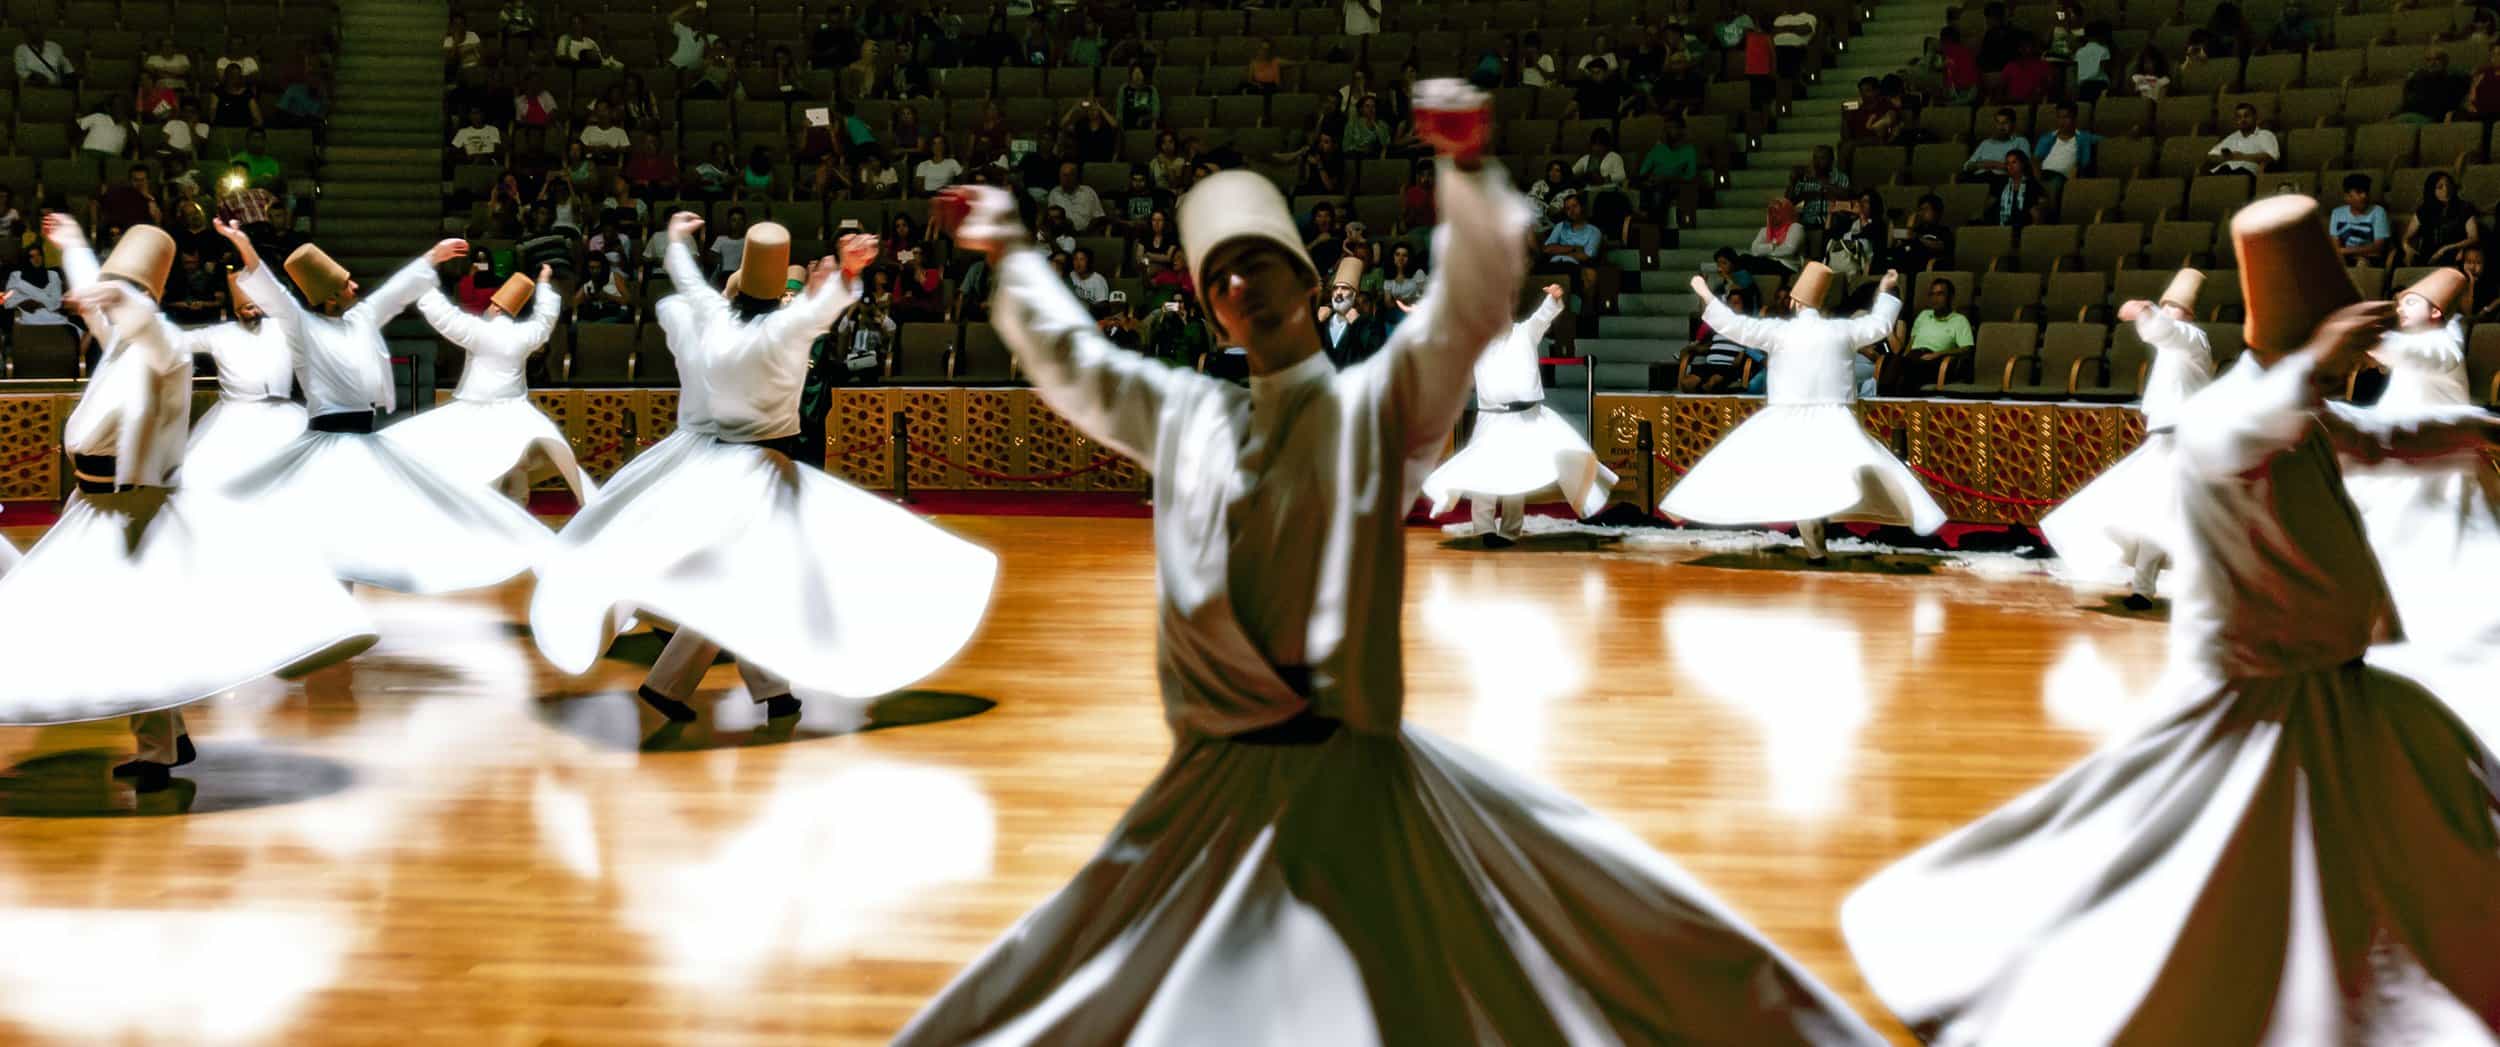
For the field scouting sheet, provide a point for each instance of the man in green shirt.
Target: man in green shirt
(254, 158)
(1671, 168)
(1938, 340)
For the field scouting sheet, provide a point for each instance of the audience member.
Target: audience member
(2360, 226)
(1934, 346)
(40, 60)
(2019, 200)
(1572, 247)
(2249, 149)
(2431, 92)
(2065, 152)
(2443, 226)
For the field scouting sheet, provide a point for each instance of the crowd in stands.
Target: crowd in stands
(115, 119)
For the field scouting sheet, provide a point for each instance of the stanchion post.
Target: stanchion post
(902, 456)
(1644, 445)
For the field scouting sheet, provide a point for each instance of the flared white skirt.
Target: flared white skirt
(788, 569)
(1377, 888)
(478, 441)
(382, 517)
(2435, 526)
(1802, 462)
(236, 437)
(2309, 858)
(1519, 453)
(142, 600)
(2124, 514)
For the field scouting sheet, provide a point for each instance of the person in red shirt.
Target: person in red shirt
(1874, 118)
(1961, 67)
(2482, 99)
(2029, 76)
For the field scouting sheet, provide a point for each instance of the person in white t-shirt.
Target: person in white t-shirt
(687, 53)
(1791, 35)
(1362, 17)
(2249, 150)
(939, 170)
(1090, 287)
(41, 62)
(602, 136)
(576, 47)
(1536, 68)
(107, 128)
(236, 54)
(461, 47)
(479, 141)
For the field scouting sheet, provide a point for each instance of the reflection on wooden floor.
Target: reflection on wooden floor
(448, 839)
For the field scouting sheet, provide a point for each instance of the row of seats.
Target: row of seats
(2092, 361)
(2285, 112)
(2370, 148)
(637, 354)
(1409, 25)
(198, 21)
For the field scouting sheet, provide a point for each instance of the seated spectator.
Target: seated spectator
(1999, 42)
(1090, 286)
(505, 208)
(1927, 241)
(1572, 248)
(1536, 68)
(2360, 226)
(937, 172)
(1875, 116)
(2482, 294)
(691, 45)
(649, 167)
(714, 176)
(1959, 66)
(2149, 76)
(716, 75)
(876, 181)
(1419, 209)
(475, 287)
(164, 79)
(195, 292)
(852, 352)
(1078, 201)
(756, 180)
(461, 47)
(1778, 248)
(1813, 190)
(2092, 63)
(1265, 74)
(2249, 149)
(2431, 92)
(1327, 243)
(40, 60)
(728, 244)
(133, 202)
(2294, 30)
(237, 54)
(1367, 136)
(830, 180)
(12, 222)
(603, 138)
(2226, 33)
(265, 170)
(302, 104)
(519, 22)
(478, 142)
(1714, 362)
(106, 132)
(2020, 200)
(2065, 152)
(859, 79)
(1056, 234)
(565, 207)
(580, 50)
(34, 289)
(857, 140)
(622, 206)
(1139, 105)
(1547, 194)
(605, 296)
(2482, 95)
(919, 282)
(1987, 160)
(2029, 78)
(2443, 226)
(237, 104)
(905, 142)
(183, 135)
(1097, 137)
(1670, 172)
(1938, 337)
(1847, 249)
(1156, 252)
(906, 76)
(1792, 35)
(1402, 283)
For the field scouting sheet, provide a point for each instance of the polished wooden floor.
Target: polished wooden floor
(452, 843)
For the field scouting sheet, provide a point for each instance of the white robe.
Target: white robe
(2434, 524)
(1804, 457)
(147, 599)
(2302, 848)
(490, 427)
(254, 418)
(817, 582)
(1366, 881)
(1515, 453)
(379, 515)
(2127, 513)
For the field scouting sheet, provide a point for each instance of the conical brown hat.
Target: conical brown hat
(145, 256)
(1812, 283)
(764, 261)
(315, 274)
(2441, 287)
(2290, 277)
(514, 296)
(2183, 289)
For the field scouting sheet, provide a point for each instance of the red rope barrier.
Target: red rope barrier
(37, 456)
(1972, 492)
(1560, 361)
(1098, 464)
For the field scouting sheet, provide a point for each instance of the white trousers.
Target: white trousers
(2148, 565)
(1512, 513)
(681, 665)
(156, 734)
(1811, 533)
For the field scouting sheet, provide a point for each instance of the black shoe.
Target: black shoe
(184, 752)
(2138, 602)
(151, 777)
(676, 711)
(779, 706)
(1496, 541)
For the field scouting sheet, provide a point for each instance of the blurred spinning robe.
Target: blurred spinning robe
(255, 418)
(141, 599)
(490, 430)
(380, 515)
(2435, 524)
(1520, 446)
(1308, 869)
(811, 583)
(2302, 849)
(1803, 457)
(2125, 515)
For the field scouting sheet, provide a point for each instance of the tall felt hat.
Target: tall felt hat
(2441, 287)
(315, 274)
(1230, 206)
(1349, 272)
(145, 256)
(1812, 283)
(2290, 278)
(2183, 289)
(766, 257)
(514, 296)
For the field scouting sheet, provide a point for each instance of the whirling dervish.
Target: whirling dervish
(2302, 848)
(811, 583)
(380, 515)
(1803, 457)
(256, 415)
(2125, 515)
(1520, 446)
(2434, 524)
(490, 433)
(141, 600)
(1308, 868)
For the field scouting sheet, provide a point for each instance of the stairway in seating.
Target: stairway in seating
(1656, 309)
(381, 191)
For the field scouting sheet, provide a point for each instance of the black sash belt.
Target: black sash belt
(1513, 407)
(2161, 430)
(788, 446)
(344, 422)
(95, 472)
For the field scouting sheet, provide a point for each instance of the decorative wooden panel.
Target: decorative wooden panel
(930, 416)
(989, 426)
(30, 448)
(1051, 445)
(599, 421)
(859, 437)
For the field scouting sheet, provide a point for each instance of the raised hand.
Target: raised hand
(858, 251)
(1891, 282)
(1453, 118)
(683, 226)
(990, 223)
(1701, 287)
(446, 250)
(1554, 292)
(2132, 311)
(2338, 344)
(63, 230)
(546, 273)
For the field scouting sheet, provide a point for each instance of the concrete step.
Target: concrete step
(1630, 376)
(398, 172)
(1827, 124)
(1747, 218)
(1760, 176)
(377, 230)
(1658, 303)
(1705, 240)
(1671, 327)
(1778, 159)
(367, 154)
(408, 208)
(1787, 138)
(1623, 350)
(416, 139)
